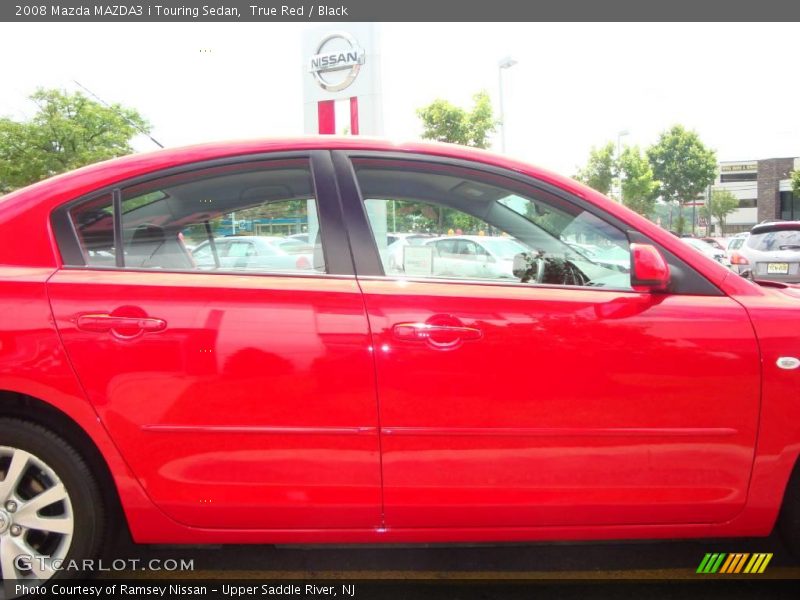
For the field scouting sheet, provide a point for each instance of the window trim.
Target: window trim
(335, 247)
(685, 279)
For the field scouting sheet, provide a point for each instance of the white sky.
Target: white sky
(576, 85)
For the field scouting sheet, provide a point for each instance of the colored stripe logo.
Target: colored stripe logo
(736, 562)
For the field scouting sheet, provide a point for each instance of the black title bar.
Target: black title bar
(400, 10)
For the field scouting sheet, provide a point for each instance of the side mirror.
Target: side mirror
(649, 270)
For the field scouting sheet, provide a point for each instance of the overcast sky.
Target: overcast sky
(575, 85)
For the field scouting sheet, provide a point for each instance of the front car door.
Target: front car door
(241, 395)
(570, 400)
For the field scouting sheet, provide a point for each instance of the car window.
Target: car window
(93, 221)
(735, 243)
(783, 239)
(486, 227)
(292, 246)
(212, 211)
(240, 249)
(446, 248)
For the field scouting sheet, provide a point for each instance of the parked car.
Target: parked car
(394, 237)
(772, 252)
(714, 242)
(473, 256)
(735, 242)
(738, 263)
(301, 237)
(392, 256)
(253, 252)
(141, 388)
(705, 248)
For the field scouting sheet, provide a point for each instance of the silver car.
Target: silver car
(707, 249)
(773, 252)
(473, 256)
(253, 252)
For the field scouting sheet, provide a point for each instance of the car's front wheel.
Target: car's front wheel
(51, 509)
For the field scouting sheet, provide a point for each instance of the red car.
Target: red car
(619, 385)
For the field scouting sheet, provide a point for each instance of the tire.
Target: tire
(789, 518)
(77, 511)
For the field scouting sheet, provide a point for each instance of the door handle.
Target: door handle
(125, 327)
(438, 335)
(423, 331)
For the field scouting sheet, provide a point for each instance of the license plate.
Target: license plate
(778, 268)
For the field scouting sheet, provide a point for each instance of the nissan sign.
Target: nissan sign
(337, 61)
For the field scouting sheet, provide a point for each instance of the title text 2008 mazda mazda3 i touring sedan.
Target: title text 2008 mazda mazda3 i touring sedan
(611, 382)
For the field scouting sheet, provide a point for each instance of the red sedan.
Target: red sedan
(589, 376)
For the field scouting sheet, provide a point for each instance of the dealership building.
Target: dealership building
(763, 188)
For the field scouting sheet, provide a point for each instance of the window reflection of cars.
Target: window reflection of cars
(475, 256)
(254, 252)
(707, 249)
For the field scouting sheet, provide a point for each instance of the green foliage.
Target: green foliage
(796, 184)
(683, 166)
(720, 205)
(427, 218)
(639, 188)
(680, 223)
(67, 131)
(600, 170)
(445, 122)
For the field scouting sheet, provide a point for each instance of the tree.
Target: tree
(600, 170)
(445, 122)
(67, 131)
(796, 184)
(720, 205)
(683, 166)
(639, 188)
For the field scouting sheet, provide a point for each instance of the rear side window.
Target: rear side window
(735, 243)
(232, 218)
(784, 239)
(94, 224)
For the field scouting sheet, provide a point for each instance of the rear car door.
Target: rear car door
(242, 396)
(571, 400)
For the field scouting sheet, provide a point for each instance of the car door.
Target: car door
(240, 398)
(574, 401)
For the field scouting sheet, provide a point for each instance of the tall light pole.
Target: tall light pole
(505, 63)
(620, 135)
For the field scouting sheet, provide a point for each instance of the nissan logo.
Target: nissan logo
(337, 61)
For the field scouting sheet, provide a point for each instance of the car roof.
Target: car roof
(109, 171)
(775, 226)
(474, 238)
(699, 243)
(238, 238)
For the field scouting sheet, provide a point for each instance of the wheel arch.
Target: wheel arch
(28, 408)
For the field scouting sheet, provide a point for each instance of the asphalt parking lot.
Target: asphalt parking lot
(564, 570)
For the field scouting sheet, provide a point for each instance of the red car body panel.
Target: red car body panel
(259, 401)
(594, 408)
(707, 451)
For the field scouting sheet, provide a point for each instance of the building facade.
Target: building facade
(763, 188)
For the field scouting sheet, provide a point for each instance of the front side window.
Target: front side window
(470, 225)
(236, 218)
